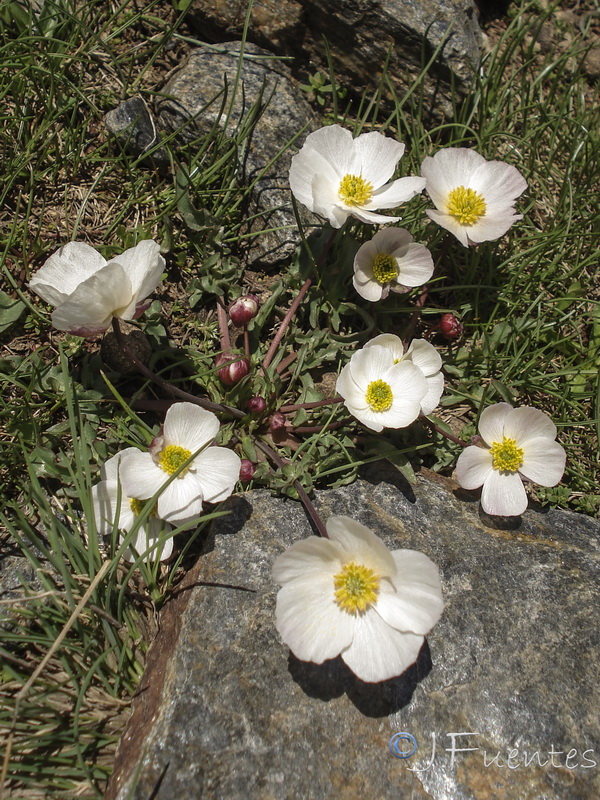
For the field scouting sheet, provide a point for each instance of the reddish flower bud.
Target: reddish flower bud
(256, 405)
(231, 369)
(247, 470)
(450, 327)
(277, 421)
(242, 310)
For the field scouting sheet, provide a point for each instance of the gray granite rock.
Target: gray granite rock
(132, 124)
(195, 95)
(225, 711)
(360, 34)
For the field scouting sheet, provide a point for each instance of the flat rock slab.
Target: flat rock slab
(502, 702)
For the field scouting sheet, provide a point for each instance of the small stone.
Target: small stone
(133, 126)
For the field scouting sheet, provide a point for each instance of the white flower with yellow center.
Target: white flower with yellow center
(380, 391)
(112, 506)
(205, 474)
(424, 356)
(390, 261)
(89, 291)
(337, 176)
(517, 442)
(349, 595)
(475, 198)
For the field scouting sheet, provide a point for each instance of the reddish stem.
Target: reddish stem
(442, 432)
(316, 404)
(223, 321)
(311, 511)
(168, 387)
(285, 323)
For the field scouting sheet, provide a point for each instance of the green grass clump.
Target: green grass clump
(529, 303)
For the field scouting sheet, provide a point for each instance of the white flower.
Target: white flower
(208, 478)
(89, 291)
(379, 391)
(112, 505)
(475, 198)
(349, 595)
(337, 176)
(391, 260)
(424, 356)
(517, 442)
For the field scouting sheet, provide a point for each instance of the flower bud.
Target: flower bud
(277, 421)
(256, 405)
(450, 327)
(242, 310)
(231, 369)
(247, 470)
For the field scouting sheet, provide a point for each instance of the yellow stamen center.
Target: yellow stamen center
(385, 268)
(173, 457)
(466, 205)
(379, 396)
(355, 190)
(137, 506)
(356, 588)
(506, 456)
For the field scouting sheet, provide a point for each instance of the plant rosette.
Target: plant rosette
(424, 356)
(112, 506)
(390, 261)
(89, 291)
(205, 473)
(337, 176)
(517, 443)
(475, 199)
(349, 595)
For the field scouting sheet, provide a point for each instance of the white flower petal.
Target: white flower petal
(307, 555)
(335, 145)
(526, 423)
(359, 544)
(140, 476)
(189, 426)
(110, 468)
(307, 169)
(376, 158)
(473, 467)
(309, 621)
(181, 500)
(395, 193)
(391, 342)
(107, 509)
(412, 600)
(74, 263)
(450, 224)
(379, 652)
(369, 217)
(448, 169)
(369, 365)
(503, 494)
(394, 241)
(407, 382)
(367, 286)
(543, 461)
(499, 183)
(94, 302)
(489, 228)
(424, 356)
(492, 421)
(143, 265)
(435, 389)
(218, 470)
(148, 537)
(416, 266)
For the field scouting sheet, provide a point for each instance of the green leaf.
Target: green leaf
(10, 310)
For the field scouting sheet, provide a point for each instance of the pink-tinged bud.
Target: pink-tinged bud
(231, 369)
(256, 405)
(242, 310)
(450, 327)
(247, 470)
(277, 421)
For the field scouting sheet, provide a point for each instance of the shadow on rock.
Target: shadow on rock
(333, 679)
(384, 472)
